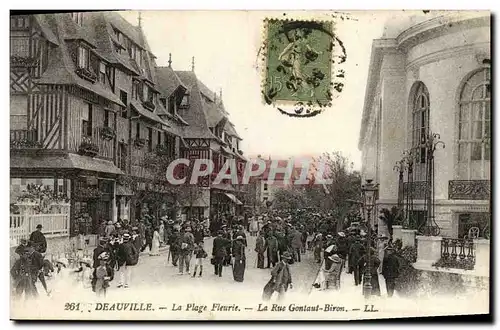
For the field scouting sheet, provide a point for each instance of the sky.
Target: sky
(226, 44)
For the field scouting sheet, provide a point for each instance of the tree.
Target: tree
(291, 198)
(336, 197)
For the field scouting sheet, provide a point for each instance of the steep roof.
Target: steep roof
(168, 82)
(195, 115)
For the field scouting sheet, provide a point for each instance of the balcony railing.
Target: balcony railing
(469, 189)
(457, 253)
(24, 139)
(416, 189)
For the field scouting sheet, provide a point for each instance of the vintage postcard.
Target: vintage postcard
(283, 165)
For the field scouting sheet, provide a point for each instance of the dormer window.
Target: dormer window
(83, 57)
(185, 102)
(78, 18)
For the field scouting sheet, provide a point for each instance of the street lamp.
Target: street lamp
(369, 192)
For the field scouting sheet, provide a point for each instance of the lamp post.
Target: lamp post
(433, 141)
(369, 192)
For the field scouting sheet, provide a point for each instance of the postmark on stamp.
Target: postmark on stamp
(301, 75)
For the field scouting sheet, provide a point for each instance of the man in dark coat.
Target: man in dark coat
(227, 235)
(25, 272)
(355, 253)
(282, 276)
(390, 270)
(175, 245)
(260, 248)
(219, 252)
(102, 247)
(38, 239)
(272, 250)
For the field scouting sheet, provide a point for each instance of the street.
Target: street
(156, 282)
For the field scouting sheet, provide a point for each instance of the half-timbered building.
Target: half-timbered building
(85, 111)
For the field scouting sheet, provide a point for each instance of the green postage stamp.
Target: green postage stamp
(300, 76)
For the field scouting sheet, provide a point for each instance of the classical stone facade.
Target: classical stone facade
(432, 75)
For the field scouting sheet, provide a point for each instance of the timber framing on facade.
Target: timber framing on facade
(89, 104)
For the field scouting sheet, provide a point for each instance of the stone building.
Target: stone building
(430, 74)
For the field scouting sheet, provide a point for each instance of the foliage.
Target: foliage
(86, 74)
(140, 142)
(148, 104)
(25, 144)
(23, 61)
(290, 198)
(390, 218)
(408, 281)
(88, 147)
(36, 192)
(457, 263)
(107, 133)
(88, 193)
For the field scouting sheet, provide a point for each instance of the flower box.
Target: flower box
(22, 61)
(240, 152)
(86, 74)
(88, 193)
(149, 105)
(139, 143)
(88, 148)
(25, 144)
(163, 150)
(107, 133)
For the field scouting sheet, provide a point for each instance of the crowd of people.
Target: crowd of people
(282, 238)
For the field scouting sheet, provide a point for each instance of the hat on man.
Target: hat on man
(126, 236)
(170, 222)
(63, 261)
(240, 237)
(220, 232)
(24, 241)
(135, 228)
(341, 234)
(118, 225)
(110, 222)
(335, 258)
(329, 236)
(187, 229)
(103, 256)
(39, 226)
(286, 255)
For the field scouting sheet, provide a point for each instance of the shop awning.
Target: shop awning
(233, 198)
(63, 161)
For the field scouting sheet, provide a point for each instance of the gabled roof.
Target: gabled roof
(61, 70)
(120, 23)
(168, 82)
(231, 130)
(69, 30)
(44, 24)
(195, 115)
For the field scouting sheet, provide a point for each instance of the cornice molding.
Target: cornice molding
(440, 26)
(473, 49)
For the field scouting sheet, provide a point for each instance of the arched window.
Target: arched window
(474, 127)
(420, 126)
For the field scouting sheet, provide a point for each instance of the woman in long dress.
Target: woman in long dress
(239, 259)
(155, 247)
(162, 232)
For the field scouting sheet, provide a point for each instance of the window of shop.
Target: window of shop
(474, 127)
(420, 130)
